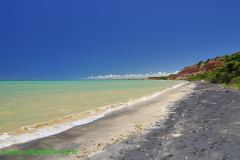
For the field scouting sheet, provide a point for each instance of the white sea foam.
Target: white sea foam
(7, 140)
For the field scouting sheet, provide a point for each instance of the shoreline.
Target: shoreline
(203, 126)
(116, 126)
(46, 129)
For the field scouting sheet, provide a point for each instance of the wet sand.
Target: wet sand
(116, 127)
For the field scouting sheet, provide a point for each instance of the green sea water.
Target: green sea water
(25, 103)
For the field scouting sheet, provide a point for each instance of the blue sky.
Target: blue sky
(60, 39)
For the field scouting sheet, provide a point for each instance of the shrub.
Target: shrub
(236, 80)
(236, 68)
(221, 77)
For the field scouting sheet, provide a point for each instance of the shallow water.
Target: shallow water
(25, 103)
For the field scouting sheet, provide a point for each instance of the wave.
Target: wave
(41, 130)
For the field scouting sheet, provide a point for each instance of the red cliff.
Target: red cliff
(201, 67)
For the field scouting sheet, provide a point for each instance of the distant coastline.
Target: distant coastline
(130, 76)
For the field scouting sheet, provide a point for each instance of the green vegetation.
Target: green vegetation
(228, 74)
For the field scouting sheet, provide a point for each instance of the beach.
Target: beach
(204, 126)
(114, 127)
(119, 80)
(193, 121)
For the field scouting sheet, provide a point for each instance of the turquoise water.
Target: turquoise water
(25, 103)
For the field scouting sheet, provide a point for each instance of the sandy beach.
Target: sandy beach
(119, 80)
(117, 126)
(196, 121)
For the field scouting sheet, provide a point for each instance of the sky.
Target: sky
(73, 39)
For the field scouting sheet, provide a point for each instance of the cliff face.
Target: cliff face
(220, 70)
(201, 67)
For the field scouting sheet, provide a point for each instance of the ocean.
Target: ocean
(30, 103)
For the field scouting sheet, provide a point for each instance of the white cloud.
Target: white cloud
(131, 76)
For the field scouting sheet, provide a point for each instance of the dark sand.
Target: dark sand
(203, 126)
(206, 126)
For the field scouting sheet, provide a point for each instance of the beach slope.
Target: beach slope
(205, 126)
